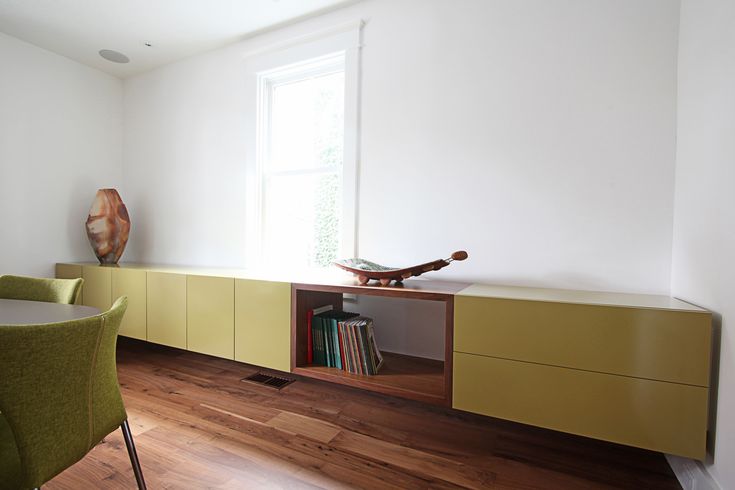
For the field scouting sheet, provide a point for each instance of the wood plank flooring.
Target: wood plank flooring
(196, 426)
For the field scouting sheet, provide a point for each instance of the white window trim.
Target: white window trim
(349, 37)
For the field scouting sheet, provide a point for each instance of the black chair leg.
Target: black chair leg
(133, 455)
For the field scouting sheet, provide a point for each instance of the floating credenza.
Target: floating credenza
(625, 368)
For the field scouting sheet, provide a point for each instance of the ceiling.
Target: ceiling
(79, 29)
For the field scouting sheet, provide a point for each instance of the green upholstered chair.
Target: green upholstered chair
(36, 289)
(59, 396)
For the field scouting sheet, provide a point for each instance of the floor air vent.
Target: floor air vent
(268, 380)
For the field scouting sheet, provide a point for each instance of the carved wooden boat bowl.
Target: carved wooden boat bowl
(366, 270)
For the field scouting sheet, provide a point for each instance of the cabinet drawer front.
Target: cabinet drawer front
(661, 416)
(166, 308)
(647, 343)
(263, 323)
(131, 283)
(210, 306)
(97, 287)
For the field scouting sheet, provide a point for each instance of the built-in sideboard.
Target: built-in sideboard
(631, 369)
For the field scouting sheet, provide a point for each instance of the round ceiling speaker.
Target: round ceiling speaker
(114, 56)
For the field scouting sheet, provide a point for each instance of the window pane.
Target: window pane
(307, 123)
(301, 219)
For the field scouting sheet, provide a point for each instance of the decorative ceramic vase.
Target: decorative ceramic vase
(108, 226)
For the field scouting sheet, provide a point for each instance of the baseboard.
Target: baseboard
(692, 475)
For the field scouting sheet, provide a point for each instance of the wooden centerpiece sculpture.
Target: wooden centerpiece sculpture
(108, 226)
(366, 270)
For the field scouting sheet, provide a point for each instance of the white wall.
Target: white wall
(703, 269)
(405, 326)
(537, 135)
(60, 140)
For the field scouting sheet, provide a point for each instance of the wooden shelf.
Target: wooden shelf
(405, 376)
(416, 378)
(414, 289)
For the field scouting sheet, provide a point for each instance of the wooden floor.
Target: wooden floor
(196, 425)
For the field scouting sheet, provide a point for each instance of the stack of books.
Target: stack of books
(344, 341)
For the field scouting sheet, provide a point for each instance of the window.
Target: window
(302, 148)
(301, 157)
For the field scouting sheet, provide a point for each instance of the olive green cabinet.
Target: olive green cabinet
(97, 286)
(132, 283)
(166, 308)
(657, 415)
(263, 323)
(632, 370)
(244, 319)
(210, 314)
(662, 344)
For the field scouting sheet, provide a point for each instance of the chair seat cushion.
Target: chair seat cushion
(9, 459)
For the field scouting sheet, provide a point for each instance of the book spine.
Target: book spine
(319, 341)
(369, 348)
(335, 343)
(327, 343)
(342, 349)
(323, 340)
(348, 346)
(370, 351)
(323, 309)
(309, 337)
(361, 343)
(374, 347)
(315, 340)
(353, 345)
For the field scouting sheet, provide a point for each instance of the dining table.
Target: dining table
(24, 312)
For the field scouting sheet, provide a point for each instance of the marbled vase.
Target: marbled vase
(108, 226)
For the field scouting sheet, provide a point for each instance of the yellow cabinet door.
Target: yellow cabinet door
(97, 286)
(263, 323)
(131, 283)
(657, 415)
(210, 313)
(166, 308)
(70, 271)
(666, 345)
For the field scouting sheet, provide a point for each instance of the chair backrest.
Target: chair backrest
(58, 390)
(109, 411)
(40, 289)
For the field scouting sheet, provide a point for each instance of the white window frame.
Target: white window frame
(309, 56)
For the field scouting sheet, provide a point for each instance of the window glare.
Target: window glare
(302, 222)
(302, 173)
(307, 123)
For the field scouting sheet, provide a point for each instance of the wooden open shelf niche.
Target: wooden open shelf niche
(416, 378)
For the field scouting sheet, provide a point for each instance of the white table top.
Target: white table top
(19, 312)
